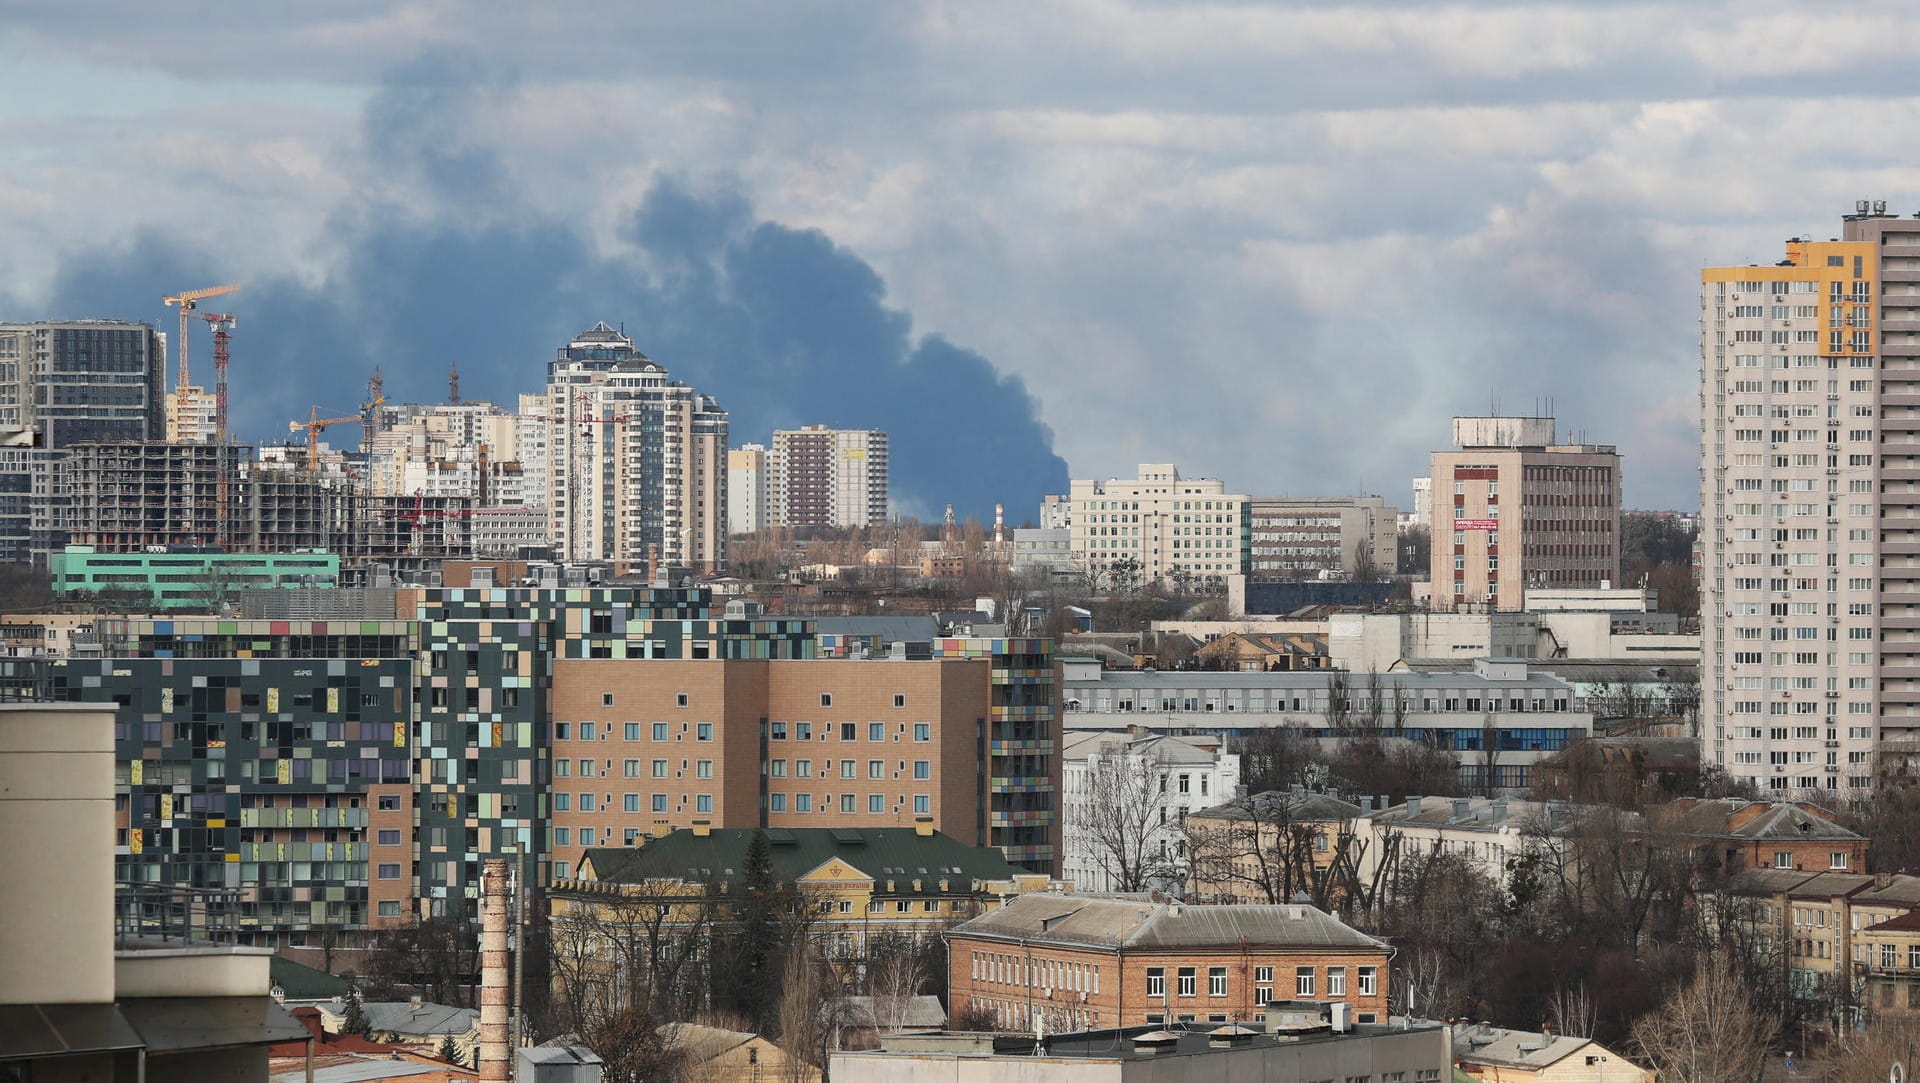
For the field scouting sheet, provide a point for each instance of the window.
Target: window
(586, 836)
(586, 802)
(659, 769)
(922, 804)
(562, 768)
(1217, 981)
(1837, 860)
(703, 731)
(390, 870)
(847, 802)
(876, 802)
(586, 731)
(389, 803)
(606, 699)
(1263, 984)
(849, 731)
(803, 731)
(922, 731)
(1336, 981)
(876, 731)
(1366, 980)
(630, 802)
(923, 770)
(1156, 981)
(899, 700)
(659, 731)
(876, 769)
(562, 802)
(562, 836)
(826, 699)
(389, 908)
(1189, 981)
(776, 802)
(659, 802)
(562, 731)
(803, 802)
(703, 802)
(1782, 859)
(389, 836)
(630, 731)
(679, 700)
(630, 769)
(703, 769)
(1303, 981)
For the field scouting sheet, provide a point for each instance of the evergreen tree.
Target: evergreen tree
(356, 1021)
(449, 1052)
(749, 980)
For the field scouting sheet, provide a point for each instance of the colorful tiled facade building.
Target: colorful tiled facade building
(351, 774)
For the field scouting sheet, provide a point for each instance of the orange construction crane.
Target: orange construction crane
(188, 300)
(313, 424)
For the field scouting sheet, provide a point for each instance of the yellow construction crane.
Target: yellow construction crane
(188, 300)
(313, 424)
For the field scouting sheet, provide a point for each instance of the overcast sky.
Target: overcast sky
(1279, 245)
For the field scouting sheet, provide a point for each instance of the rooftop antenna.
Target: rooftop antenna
(453, 384)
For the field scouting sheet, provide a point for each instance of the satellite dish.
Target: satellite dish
(1897, 1073)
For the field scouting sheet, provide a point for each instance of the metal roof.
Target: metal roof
(1306, 679)
(1131, 923)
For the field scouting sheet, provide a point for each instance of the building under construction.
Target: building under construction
(135, 497)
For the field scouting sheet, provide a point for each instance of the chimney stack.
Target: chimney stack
(999, 525)
(493, 1052)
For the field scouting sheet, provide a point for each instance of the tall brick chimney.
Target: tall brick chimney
(493, 1051)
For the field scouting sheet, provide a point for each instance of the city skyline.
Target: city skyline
(1405, 248)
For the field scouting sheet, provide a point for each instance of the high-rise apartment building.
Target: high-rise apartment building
(83, 381)
(634, 462)
(747, 489)
(190, 415)
(1164, 526)
(63, 384)
(818, 476)
(1331, 537)
(1557, 506)
(1810, 501)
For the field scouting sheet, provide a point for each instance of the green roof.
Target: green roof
(898, 854)
(301, 982)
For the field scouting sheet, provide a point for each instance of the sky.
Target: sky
(1275, 244)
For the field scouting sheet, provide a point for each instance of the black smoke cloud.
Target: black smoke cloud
(782, 326)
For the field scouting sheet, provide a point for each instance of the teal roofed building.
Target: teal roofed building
(188, 577)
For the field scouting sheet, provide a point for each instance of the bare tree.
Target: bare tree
(812, 1011)
(1571, 1010)
(896, 973)
(1365, 568)
(1709, 1030)
(1124, 816)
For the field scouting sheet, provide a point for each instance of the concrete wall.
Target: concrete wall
(56, 839)
(199, 971)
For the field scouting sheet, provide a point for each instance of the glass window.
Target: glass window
(586, 802)
(659, 731)
(1156, 981)
(630, 802)
(923, 769)
(659, 769)
(922, 804)
(876, 802)
(586, 731)
(1189, 981)
(703, 769)
(703, 731)
(1217, 981)
(876, 769)
(876, 731)
(703, 803)
(1303, 981)
(562, 731)
(1336, 981)
(563, 836)
(922, 731)
(631, 731)
(659, 802)
(1365, 979)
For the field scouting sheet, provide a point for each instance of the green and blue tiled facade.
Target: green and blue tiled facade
(352, 773)
(1023, 746)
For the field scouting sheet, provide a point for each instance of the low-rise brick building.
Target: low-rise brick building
(1741, 834)
(1079, 962)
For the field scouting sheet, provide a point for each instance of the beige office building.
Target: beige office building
(1513, 508)
(1810, 501)
(1326, 537)
(1174, 529)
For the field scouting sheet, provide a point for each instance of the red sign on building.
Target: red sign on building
(1476, 524)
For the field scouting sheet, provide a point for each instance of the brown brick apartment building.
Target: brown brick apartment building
(638, 746)
(1086, 961)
